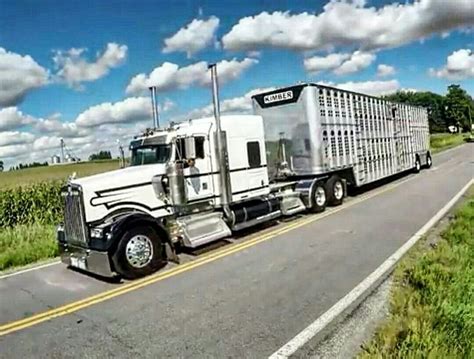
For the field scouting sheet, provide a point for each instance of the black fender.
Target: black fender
(114, 230)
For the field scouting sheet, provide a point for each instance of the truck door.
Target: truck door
(197, 172)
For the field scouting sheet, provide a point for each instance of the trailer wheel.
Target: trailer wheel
(429, 160)
(417, 167)
(335, 190)
(318, 198)
(139, 252)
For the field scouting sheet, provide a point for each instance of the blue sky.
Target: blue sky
(282, 42)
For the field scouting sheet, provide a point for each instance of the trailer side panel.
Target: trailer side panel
(327, 130)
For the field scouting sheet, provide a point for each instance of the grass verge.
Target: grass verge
(444, 141)
(432, 300)
(24, 244)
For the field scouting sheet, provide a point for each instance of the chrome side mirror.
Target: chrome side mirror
(190, 147)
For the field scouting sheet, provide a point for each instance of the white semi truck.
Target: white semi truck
(196, 182)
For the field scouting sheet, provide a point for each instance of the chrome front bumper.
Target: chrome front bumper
(89, 260)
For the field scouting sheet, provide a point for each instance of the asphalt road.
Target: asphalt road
(245, 304)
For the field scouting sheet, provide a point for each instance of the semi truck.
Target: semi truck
(196, 182)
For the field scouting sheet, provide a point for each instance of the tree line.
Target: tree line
(101, 155)
(22, 166)
(456, 108)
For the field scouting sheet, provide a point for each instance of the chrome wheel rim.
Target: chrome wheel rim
(429, 161)
(338, 190)
(139, 251)
(417, 165)
(320, 196)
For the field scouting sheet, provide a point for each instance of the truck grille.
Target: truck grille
(74, 223)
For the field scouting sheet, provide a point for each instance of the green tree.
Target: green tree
(459, 107)
(102, 155)
(1, 166)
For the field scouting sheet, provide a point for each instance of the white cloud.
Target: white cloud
(192, 38)
(46, 143)
(130, 110)
(385, 70)
(358, 61)
(13, 151)
(11, 118)
(339, 63)
(316, 64)
(240, 104)
(74, 69)
(9, 138)
(254, 54)
(60, 128)
(459, 66)
(170, 76)
(168, 105)
(352, 23)
(375, 88)
(18, 76)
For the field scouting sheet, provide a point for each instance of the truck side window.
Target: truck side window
(253, 154)
(180, 149)
(199, 140)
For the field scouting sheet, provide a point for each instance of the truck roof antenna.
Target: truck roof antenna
(154, 106)
(221, 142)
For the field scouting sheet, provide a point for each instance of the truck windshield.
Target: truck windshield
(145, 155)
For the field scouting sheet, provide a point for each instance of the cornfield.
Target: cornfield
(40, 203)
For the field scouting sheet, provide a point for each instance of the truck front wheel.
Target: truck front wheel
(139, 252)
(335, 190)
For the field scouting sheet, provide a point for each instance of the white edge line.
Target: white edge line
(29, 269)
(342, 305)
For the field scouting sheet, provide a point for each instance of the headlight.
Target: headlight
(97, 232)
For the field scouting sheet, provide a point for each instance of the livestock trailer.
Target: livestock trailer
(325, 130)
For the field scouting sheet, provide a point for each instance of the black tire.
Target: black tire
(319, 198)
(417, 167)
(335, 191)
(134, 268)
(429, 160)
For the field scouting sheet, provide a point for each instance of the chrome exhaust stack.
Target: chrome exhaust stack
(154, 107)
(221, 149)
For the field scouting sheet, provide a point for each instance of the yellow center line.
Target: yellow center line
(211, 257)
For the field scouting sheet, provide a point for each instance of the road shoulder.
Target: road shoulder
(348, 337)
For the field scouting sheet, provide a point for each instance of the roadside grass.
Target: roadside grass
(30, 176)
(24, 244)
(432, 299)
(444, 141)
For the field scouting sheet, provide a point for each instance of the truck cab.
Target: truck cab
(131, 220)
